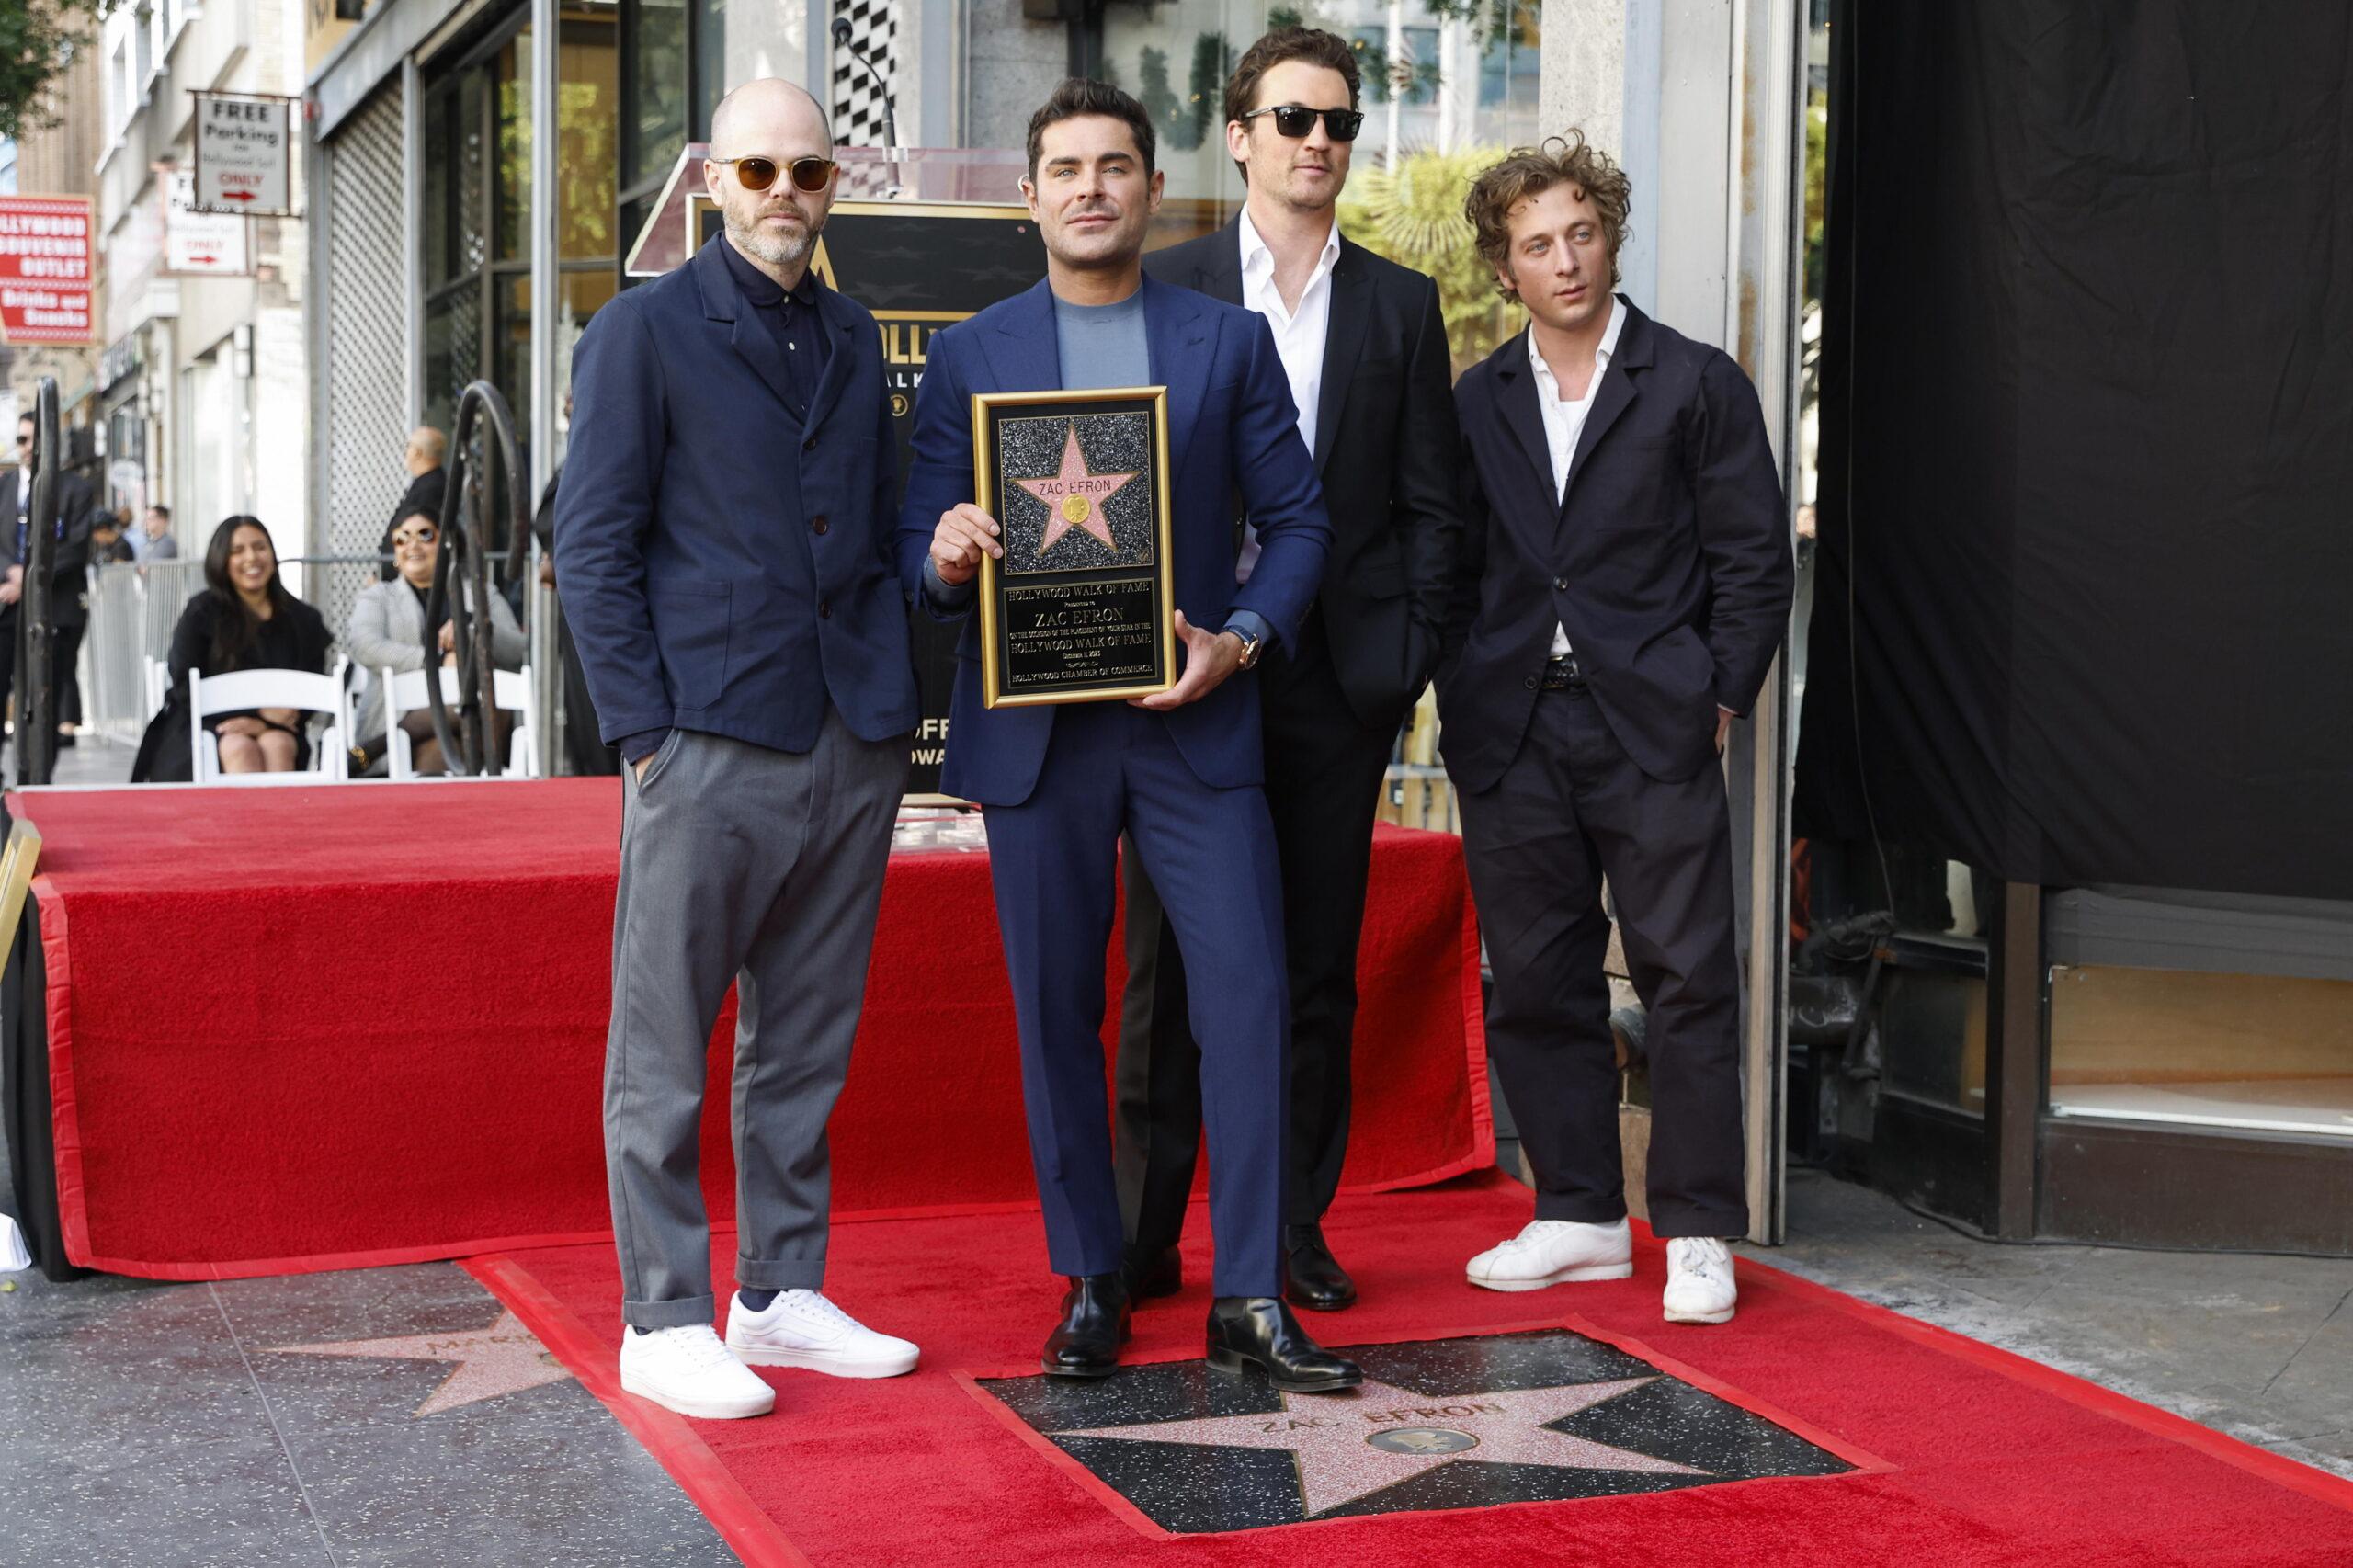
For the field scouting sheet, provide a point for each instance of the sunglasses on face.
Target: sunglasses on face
(1294, 122)
(400, 539)
(812, 175)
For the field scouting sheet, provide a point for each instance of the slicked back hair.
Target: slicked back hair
(1079, 97)
(1311, 45)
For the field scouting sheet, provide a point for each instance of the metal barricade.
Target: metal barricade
(135, 608)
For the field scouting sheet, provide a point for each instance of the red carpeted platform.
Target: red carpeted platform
(1965, 1456)
(319, 1028)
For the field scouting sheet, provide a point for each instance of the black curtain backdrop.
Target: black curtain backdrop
(2086, 443)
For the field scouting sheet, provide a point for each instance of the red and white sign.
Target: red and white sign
(242, 154)
(204, 243)
(45, 269)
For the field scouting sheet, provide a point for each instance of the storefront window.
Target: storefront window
(477, 184)
(1439, 75)
(658, 119)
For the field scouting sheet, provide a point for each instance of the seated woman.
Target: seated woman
(245, 620)
(387, 631)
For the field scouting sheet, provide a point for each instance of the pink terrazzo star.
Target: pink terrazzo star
(501, 1360)
(1348, 1447)
(1075, 497)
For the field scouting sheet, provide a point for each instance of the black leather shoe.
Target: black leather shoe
(1160, 1274)
(1258, 1331)
(1085, 1344)
(1312, 1277)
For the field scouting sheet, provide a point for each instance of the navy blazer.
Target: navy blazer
(1232, 430)
(1668, 560)
(724, 568)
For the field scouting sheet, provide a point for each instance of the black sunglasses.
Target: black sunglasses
(1295, 121)
(812, 175)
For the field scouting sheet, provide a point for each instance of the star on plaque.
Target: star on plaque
(503, 1358)
(1349, 1447)
(1074, 497)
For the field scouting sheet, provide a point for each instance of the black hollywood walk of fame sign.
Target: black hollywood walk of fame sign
(1546, 1416)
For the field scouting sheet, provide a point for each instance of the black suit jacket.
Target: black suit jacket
(1386, 450)
(77, 514)
(1668, 560)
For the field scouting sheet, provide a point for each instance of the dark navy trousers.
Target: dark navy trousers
(1111, 768)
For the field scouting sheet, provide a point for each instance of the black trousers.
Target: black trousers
(1324, 772)
(589, 755)
(65, 686)
(1570, 809)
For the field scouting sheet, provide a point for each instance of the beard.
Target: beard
(787, 249)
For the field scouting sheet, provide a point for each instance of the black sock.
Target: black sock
(755, 1300)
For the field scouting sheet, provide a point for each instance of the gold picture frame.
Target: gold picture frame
(1095, 622)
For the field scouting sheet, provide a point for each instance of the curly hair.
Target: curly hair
(1530, 171)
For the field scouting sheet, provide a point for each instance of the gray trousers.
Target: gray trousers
(764, 868)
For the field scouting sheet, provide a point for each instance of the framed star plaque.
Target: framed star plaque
(1080, 608)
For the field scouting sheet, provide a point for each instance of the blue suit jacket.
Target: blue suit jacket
(1232, 431)
(723, 567)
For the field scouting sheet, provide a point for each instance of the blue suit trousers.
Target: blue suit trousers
(1109, 768)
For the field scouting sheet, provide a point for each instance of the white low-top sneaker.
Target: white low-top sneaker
(800, 1328)
(687, 1370)
(1555, 1252)
(1699, 1287)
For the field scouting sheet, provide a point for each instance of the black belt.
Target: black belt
(1564, 674)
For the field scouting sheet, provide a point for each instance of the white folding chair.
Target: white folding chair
(240, 690)
(155, 686)
(510, 693)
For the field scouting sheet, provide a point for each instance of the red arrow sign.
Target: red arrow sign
(236, 196)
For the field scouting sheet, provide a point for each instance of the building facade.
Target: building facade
(203, 372)
(59, 158)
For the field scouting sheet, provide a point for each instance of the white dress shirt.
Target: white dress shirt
(1299, 339)
(1564, 419)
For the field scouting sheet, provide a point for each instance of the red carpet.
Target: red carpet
(319, 1028)
(1981, 1458)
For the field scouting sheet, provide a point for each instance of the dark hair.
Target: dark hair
(1312, 45)
(160, 510)
(1082, 96)
(411, 516)
(1530, 171)
(235, 627)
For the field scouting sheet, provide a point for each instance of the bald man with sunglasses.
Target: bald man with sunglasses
(722, 551)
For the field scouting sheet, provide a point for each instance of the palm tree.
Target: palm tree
(1412, 213)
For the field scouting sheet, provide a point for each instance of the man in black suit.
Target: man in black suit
(1364, 348)
(1625, 583)
(69, 609)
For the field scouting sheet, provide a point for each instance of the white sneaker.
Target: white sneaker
(800, 1328)
(687, 1370)
(1554, 1251)
(1699, 1287)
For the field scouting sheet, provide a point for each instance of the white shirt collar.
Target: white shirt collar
(1255, 254)
(1601, 356)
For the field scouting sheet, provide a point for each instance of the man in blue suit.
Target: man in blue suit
(722, 551)
(1180, 771)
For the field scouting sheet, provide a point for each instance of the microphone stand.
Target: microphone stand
(889, 103)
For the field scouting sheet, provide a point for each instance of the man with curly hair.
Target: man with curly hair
(1626, 580)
